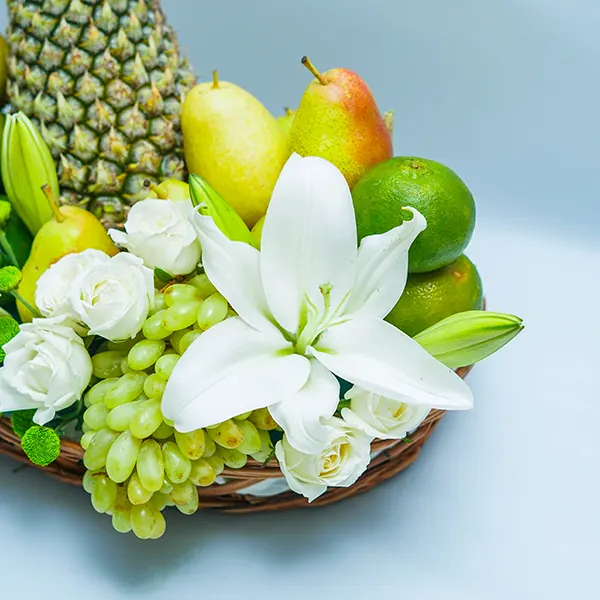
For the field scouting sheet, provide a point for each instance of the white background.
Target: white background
(503, 502)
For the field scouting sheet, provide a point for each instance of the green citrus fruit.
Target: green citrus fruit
(434, 190)
(431, 297)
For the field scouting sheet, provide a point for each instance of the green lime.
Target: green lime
(431, 297)
(434, 190)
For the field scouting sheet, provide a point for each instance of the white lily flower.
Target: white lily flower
(310, 306)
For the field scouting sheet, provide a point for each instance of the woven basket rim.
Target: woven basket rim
(392, 457)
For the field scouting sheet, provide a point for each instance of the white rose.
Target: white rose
(46, 367)
(158, 231)
(382, 417)
(54, 285)
(113, 298)
(342, 461)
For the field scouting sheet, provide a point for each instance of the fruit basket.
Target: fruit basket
(205, 306)
(392, 457)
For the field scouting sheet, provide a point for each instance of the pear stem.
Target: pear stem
(288, 111)
(215, 75)
(53, 203)
(154, 188)
(308, 64)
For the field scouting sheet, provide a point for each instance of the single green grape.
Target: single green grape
(123, 346)
(181, 292)
(167, 487)
(145, 353)
(191, 508)
(217, 463)
(191, 444)
(262, 419)
(136, 492)
(150, 466)
(203, 284)
(183, 493)
(227, 434)
(175, 338)
(144, 520)
(188, 339)
(243, 416)
(202, 473)
(125, 368)
(119, 418)
(154, 386)
(104, 494)
(209, 446)
(121, 519)
(147, 419)
(161, 501)
(122, 457)
(159, 303)
(266, 447)
(160, 526)
(98, 392)
(88, 481)
(213, 311)
(164, 432)
(107, 364)
(94, 458)
(181, 315)
(252, 442)
(95, 416)
(232, 458)
(127, 389)
(177, 466)
(86, 439)
(165, 364)
(154, 326)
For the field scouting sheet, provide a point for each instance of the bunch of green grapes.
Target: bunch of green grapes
(137, 464)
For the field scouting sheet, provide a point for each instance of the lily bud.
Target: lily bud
(27, 165)
(468, 337)
(211, 204)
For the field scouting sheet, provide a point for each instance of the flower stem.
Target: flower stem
(5, 244)
(34, 311)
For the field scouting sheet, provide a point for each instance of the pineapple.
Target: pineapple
(104, 82)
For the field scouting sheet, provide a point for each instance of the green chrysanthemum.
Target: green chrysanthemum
(9, 328)
(41, 445)
(10, 277)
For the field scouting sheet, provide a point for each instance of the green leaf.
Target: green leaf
(163, 275)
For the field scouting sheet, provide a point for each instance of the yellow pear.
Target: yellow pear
(232, 141)
(71, 230)
(169, 189)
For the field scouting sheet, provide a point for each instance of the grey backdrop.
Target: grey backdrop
(504, 500)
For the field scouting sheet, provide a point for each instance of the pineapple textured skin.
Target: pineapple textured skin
(104, 81)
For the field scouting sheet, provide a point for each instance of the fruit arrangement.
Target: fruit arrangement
(191, 284)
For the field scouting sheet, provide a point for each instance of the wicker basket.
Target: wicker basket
(393, 456)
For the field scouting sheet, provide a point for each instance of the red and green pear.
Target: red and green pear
(338, 119)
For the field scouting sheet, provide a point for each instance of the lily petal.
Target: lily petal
(382, 268)
(300, 414)
(308, 239)
(234, 269)
(231, 369)
(380, 358)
